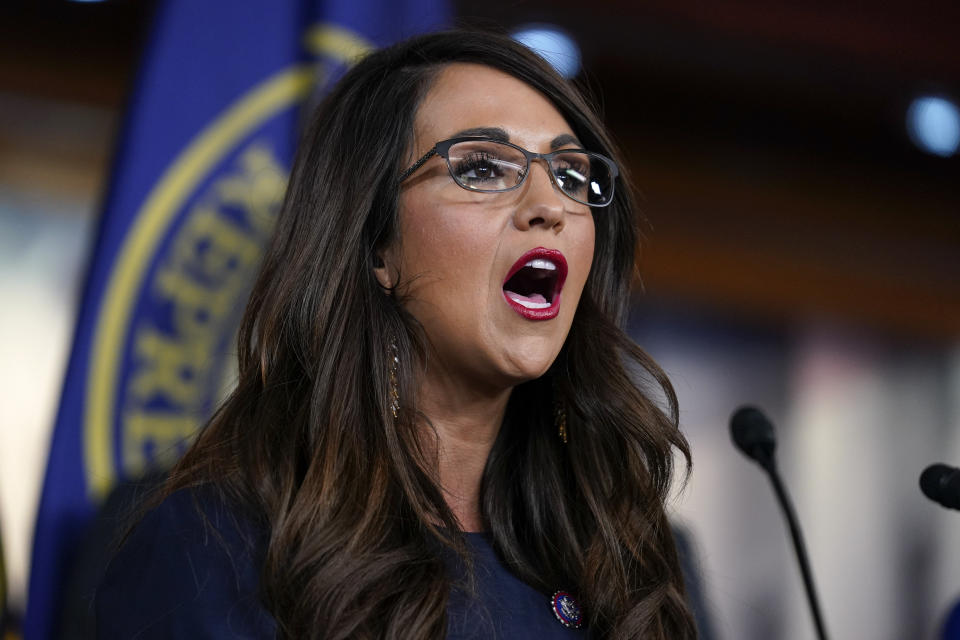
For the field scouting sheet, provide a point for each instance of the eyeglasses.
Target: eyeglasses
(493, 166)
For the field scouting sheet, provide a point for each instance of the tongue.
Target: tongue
(533, 297)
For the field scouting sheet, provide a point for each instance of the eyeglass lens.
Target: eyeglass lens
(485, 165)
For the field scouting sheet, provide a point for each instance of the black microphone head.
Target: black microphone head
(753, 434)
(941, 483)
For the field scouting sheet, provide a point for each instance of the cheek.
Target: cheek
(445, 253)
(583, 250)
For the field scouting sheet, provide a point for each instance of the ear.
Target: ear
(382, 270)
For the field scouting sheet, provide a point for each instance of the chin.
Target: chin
(530, 364)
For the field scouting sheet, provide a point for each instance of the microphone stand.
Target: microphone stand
(769, 465)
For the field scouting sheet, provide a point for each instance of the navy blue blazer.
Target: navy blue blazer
(176, 578)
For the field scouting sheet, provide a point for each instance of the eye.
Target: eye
(572, 171)
(485, 165)
(479, 167)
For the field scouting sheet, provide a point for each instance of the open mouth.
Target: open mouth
(533, 285)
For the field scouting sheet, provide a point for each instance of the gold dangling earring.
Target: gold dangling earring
(394, 394)
(559, 414)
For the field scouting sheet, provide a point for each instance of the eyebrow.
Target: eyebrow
(496, 133)
(563, 140)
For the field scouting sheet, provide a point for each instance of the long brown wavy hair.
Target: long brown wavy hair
(307, 445)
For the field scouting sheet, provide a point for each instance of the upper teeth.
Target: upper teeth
(541, 263)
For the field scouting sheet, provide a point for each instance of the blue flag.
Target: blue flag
(197, 181)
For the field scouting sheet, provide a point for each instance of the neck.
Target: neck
(466, 421)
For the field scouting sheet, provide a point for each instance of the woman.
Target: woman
(439, 424)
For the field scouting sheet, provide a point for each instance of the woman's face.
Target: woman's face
(460, 255)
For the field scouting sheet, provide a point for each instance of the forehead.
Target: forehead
(466, 96)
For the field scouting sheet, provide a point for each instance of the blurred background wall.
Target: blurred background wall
(803, 254)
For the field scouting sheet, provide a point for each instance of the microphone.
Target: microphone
(753, 434)
(941, 484)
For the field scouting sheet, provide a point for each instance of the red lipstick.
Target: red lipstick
(533, 284)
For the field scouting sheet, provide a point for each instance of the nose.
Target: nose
(541, 203)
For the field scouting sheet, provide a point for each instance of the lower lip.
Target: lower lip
(547, 313)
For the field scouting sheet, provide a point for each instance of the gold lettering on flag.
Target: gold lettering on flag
(202, 283)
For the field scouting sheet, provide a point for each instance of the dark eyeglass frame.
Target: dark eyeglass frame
(442, 149)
